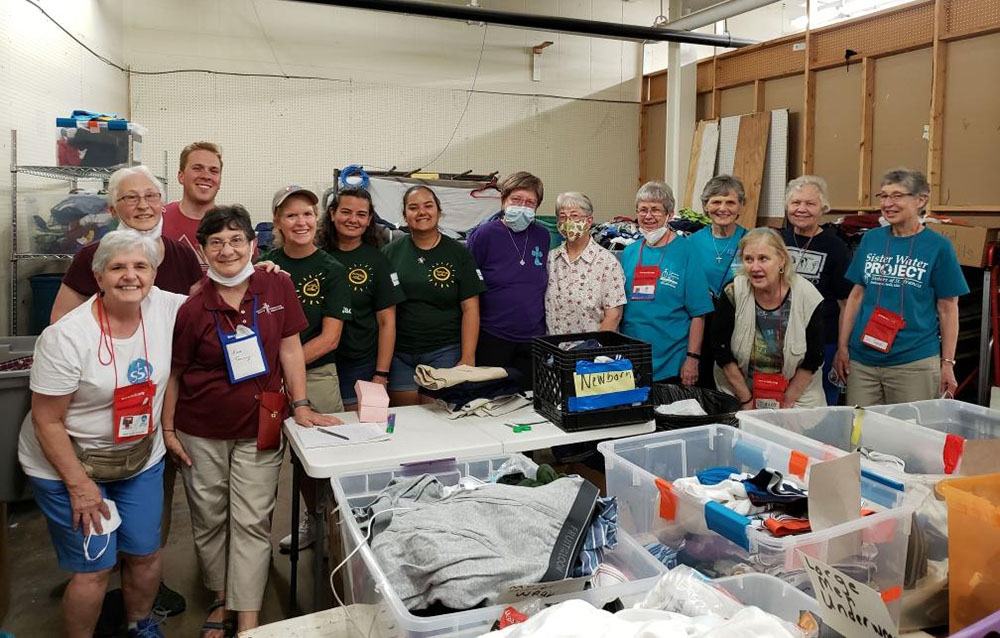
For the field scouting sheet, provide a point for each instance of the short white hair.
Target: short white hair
(803, 181)
(658, 192)
(575, 198)
(122, 241)
(116, 179)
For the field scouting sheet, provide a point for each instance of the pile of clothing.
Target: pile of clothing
(473, 390)
(79, 219)
(452, 548)
(683, 603)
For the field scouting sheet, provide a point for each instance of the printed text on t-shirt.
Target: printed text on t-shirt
(894, 270)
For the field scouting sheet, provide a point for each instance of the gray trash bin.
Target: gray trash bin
(15, 401)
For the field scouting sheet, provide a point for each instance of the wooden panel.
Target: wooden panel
(706, 75)
(701, 168)
(786, 93)
(654, 141)
(703, 106)
(935, 136)
(838, 133)
(657, 88)
(758, 96)
(867, 122)
(737, 101)
(971, 122)
(901, 107)
(751, 149)
(878, 34)
(963, 17)
(769, 60)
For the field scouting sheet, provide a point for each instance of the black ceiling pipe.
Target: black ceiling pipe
(558, 24)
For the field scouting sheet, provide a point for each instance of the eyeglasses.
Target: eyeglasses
(575, 216)
(642, 211)
(236, 243)
(522, 201)
(892, 197)
(133, 200)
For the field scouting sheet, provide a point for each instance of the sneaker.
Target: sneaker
(111, 622)
(306, 536)
(168, 602)
(146, 628)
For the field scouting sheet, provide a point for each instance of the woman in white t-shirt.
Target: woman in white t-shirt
(92, 445)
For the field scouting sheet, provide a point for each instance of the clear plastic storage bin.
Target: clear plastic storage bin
(366, 582)
(947, 415)
(775, 597)
(929, 455)
(720, 542)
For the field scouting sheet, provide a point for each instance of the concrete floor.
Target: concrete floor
(36, 581)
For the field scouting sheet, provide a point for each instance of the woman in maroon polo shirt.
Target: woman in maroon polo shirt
(236, 345)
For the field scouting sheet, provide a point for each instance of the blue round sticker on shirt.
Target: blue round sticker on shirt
(139, 370)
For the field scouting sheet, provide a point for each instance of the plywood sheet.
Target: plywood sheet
(838, 133)
(748, 164)
(788, 93)
(902, 107)
(737, 101)
(701, 168)
(729, 129)
(654, 141)
(703, 106)
(971, 122)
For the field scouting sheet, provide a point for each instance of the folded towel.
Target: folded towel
(438, 378)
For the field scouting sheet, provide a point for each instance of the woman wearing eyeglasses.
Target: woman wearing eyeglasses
(135, 198)
(237, 363)
(900, 325)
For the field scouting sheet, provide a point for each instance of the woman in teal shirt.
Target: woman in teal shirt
(715, 248)
(666, 289)
(899, 328)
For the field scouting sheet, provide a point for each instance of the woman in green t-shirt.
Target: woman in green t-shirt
(348, 234)
(439, 321)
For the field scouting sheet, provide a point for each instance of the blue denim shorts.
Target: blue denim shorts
(404, 365)
(140, 504)
(351, 372)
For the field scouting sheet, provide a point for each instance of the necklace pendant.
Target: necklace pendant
(522, 262)
(718, 259)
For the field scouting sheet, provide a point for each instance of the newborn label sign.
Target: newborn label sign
(848, 606)
(603, 382)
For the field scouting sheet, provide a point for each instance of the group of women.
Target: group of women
(208, 368)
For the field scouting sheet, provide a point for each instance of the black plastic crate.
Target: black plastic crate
(554, 369)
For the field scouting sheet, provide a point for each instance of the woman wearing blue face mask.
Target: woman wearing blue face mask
(512, 253)
(666, 288)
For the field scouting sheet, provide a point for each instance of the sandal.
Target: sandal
(227, 626)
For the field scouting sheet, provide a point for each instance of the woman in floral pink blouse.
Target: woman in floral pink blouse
(586, 290)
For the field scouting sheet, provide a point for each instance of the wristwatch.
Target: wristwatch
(301, 403)
(382, 373)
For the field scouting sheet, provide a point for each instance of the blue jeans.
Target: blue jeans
(404, 365)
(350, 373)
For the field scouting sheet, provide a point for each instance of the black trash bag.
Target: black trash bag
(719, 406)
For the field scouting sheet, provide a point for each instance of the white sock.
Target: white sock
(133, 624)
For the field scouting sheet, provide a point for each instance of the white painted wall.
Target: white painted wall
(44, 74)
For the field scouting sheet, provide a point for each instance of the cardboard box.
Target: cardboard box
(971, 242)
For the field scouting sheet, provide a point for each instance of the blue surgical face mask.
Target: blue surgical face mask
(518, 217)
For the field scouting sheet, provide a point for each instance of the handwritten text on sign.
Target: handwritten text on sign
(848, 606)
(603, 382)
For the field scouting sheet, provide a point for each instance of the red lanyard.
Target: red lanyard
(662, 255)
(902, 284)
(107, 340)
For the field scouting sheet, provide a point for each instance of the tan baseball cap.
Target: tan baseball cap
(288, 191)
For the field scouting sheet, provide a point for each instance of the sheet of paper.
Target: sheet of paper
(980, 456)
(848, 606)
(834, 492)
(355, 432)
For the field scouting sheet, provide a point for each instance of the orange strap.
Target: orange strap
(668, 502)
(797, 464)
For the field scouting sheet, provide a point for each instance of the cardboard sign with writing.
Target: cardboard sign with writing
(848, 606)
(521, 593)
(603, 382)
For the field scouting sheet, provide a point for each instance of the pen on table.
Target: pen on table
(339, 436)
(391, 426)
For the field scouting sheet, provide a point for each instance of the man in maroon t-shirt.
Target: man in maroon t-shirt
(200, 176)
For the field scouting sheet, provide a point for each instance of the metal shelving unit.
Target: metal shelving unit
(71, 174)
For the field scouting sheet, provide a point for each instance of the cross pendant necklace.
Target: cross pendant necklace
(513, 243)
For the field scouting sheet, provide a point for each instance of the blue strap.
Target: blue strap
(727, 523)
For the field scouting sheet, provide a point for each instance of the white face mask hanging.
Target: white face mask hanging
(108, 525)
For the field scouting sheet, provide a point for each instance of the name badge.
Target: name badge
(132, 411)
(881, 330)
(644, 280)
(244, 355)
(768, 390)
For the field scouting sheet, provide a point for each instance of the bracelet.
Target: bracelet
(166, 430)
(951, 361)
(747, 401)
(301, 403)
(382, 373)
(694, 355)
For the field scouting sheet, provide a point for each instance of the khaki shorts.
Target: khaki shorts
(323, 389)
(883, 385)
